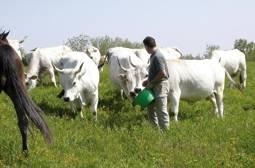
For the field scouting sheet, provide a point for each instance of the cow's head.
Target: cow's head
(31, 81)
(71, 81)
(132, 78)
(91, 50)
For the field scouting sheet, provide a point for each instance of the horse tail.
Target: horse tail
(15, 88)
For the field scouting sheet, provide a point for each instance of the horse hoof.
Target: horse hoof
(25, 153)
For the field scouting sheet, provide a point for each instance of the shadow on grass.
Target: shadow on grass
(120, 113)
(248, 107)
(58, 111)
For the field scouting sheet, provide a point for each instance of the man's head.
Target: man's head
(149, 44)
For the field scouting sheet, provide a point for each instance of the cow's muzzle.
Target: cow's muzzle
(132, 94)
(137, 90)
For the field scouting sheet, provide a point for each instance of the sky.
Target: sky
(189, 25)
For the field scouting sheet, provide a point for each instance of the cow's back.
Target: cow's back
(195, 78)
(170, 53)
(231, 60)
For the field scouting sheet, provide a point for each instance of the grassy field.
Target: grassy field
(123, 137)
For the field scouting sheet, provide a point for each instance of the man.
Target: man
(158, 83)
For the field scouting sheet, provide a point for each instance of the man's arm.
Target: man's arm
(160, 75)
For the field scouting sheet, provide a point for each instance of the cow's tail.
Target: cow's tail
(236, 85)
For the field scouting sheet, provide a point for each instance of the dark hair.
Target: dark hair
(149, 42)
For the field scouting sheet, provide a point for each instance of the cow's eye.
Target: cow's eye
(74, 83)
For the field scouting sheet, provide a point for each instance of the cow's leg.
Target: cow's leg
(122, 94)
(213, 101)
(52, 76)
(80, 110)
(243, 77)
(219, 100)
(78, 104)
(175, 100)
(73, 107)
(94, 103)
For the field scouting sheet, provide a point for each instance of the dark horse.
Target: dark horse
(12, 83)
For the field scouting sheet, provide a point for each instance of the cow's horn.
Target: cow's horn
(64, 71)
(130, 60)
(22, 41)
(79, 69)
(124, 69)
(57, 69)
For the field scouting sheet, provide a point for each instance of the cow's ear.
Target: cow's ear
(34, 77)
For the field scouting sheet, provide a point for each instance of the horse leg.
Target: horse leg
(23, 127)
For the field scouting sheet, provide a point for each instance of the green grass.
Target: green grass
(123, 137)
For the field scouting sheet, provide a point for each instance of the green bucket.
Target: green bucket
(144, 98)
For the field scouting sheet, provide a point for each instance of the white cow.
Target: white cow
(168, 53)
(41, 60)
(234, 62)
(171, 53)
(79, 79)
(194, 80)
(17, 46)
(128, 67)
(127, 70)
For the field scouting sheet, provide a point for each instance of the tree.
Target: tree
(209, 50)
(78, 43)
(103, 43)
(241, 44)
(248, 48)
(106, 42)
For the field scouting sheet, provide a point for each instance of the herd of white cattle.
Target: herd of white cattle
(80, 73)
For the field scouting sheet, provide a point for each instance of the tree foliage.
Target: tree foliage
(209, 50)
(78, 43)
(103, 43)
(248, 48)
